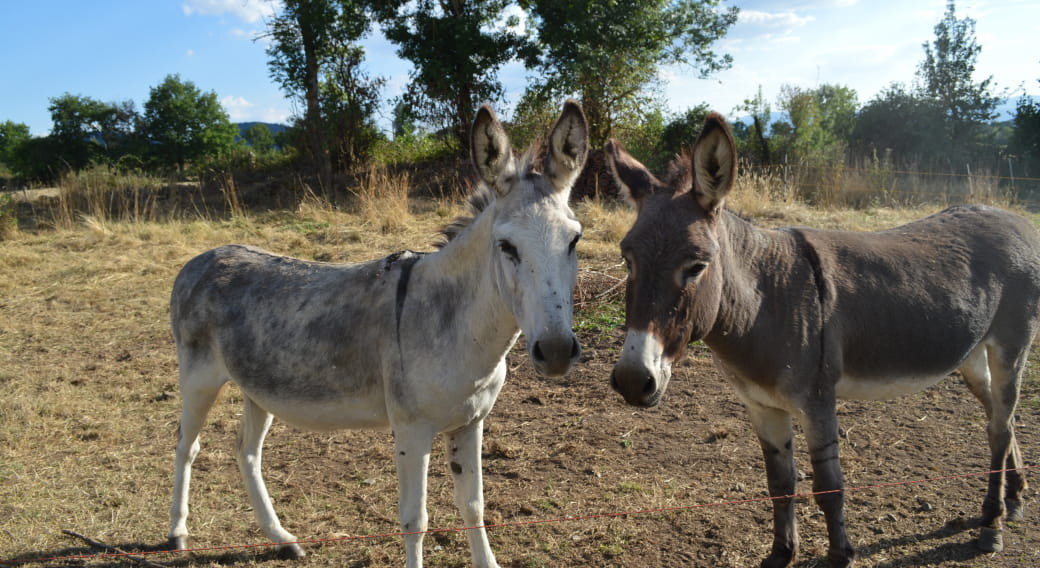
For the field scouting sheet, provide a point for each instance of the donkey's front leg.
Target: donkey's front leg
(821, 433)
(412, 444)
(775, 434)
(464, 447)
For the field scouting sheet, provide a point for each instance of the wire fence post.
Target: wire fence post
(971, 186)
(1011, 174)
(787, 187)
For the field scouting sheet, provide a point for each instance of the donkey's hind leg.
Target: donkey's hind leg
(994, 375)
(255, 423)
(200, 387)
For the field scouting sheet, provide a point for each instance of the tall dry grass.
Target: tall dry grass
(382, 199)
(873, 184)
(104, 193)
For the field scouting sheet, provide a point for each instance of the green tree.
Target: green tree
(12, 135)
(456, 49)
(1025, 139)
(259, 138)
(946, 76)
(752, 141)
(608, 52)
(682, 131)
(86, 130)
(821, 121)
(182, 124)
(315, 58)
(902, 124)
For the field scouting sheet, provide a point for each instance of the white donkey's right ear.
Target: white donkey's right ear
(568, 147)
(491, 151)
(634, 180)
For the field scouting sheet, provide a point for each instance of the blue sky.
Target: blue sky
(114, 50)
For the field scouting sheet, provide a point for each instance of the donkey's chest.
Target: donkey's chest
(445, 401)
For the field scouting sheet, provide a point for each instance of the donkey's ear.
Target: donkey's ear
(714, 163)
(568, 147)
(635, 181)
(490, 149)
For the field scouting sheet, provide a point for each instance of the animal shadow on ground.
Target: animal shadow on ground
(945, 552)
(154, 554)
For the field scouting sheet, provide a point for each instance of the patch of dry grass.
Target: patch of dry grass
(382, 199)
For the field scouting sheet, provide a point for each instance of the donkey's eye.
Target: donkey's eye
(509, 250)
(692, 271)
(574, 244)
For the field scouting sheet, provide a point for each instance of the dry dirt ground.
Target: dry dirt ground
(573, 477)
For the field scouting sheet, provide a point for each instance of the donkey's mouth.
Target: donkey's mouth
(641, 392)
(554, 357)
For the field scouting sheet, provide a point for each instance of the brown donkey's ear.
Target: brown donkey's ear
(714, 163)
(636, 182)
(489, 147)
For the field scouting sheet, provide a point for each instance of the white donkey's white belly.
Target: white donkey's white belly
(323, 416)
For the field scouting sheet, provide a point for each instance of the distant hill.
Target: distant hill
(274, 128)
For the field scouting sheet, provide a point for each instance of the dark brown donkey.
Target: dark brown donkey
(797, 318)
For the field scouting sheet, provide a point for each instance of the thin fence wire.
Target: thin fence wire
(514, 524)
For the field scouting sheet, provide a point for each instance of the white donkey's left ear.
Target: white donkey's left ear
(568, 147)
(491, 151)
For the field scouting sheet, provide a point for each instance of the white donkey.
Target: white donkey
(415, 342)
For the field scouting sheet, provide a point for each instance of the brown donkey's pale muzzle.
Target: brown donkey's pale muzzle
(641, 374)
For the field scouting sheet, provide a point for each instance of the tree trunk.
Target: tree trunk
(313, 114)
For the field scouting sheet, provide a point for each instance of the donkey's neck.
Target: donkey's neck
(754, 263)
(461, 277)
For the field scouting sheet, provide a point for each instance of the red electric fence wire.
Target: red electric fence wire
(594, 516)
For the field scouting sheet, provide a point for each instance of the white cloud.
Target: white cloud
(238, 108)
(190, 53)
(785, 20)
(249, 11)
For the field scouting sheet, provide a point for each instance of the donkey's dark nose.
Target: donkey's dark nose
(554, 356)
(638, 388)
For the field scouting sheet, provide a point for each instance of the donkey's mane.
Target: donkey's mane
(679, 176)
(483, 196)
(478, 200)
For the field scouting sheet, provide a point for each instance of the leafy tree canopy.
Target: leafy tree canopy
(946, 76)
(456, 49)
(608, 52)
(181, 123)
(12, 135)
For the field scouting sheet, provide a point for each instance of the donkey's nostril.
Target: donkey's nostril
(649, 386)
(613, 381)
(537, 352)
(575, 349)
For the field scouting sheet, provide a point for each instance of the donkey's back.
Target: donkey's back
(915, 302)
(289, 332)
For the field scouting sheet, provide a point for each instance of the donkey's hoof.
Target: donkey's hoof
(778, 560)
(1015, 510)
(990, 540)
(177, 543)
(291, 551)
(845, 559)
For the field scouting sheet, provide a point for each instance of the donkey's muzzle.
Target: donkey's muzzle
(637, 385)
(554, 356)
